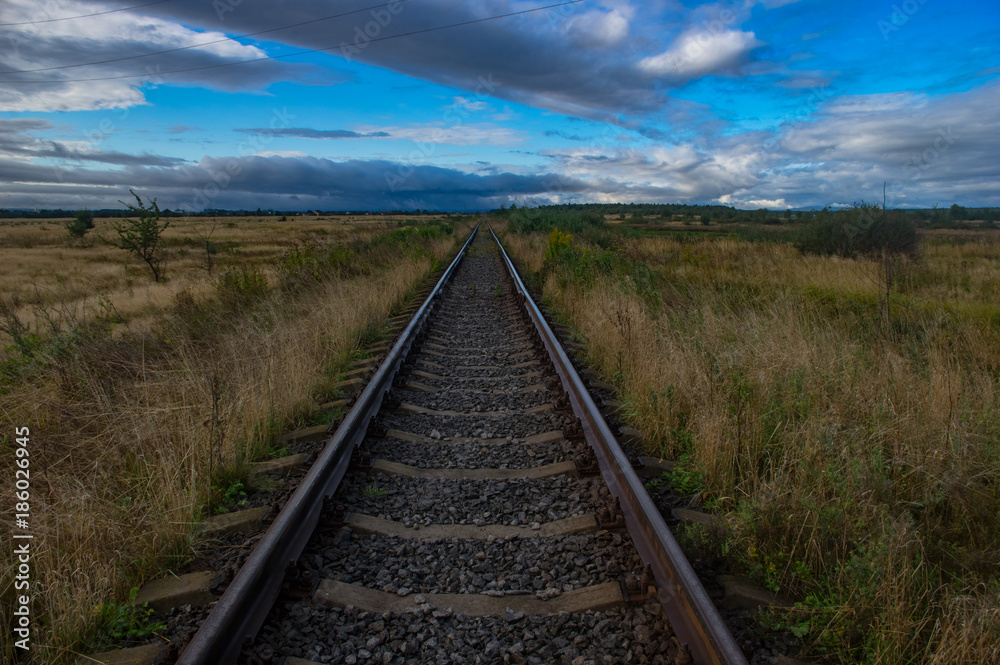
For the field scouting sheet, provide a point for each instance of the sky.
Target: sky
(469, 105)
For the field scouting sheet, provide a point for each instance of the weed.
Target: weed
(373, 491)
(274, 452)
(325, 416)
(118, 623)
(233, 498)
(705, 542)
(241, 287)
(685, 478)
(560, 242)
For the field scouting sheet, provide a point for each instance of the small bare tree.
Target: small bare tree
(11, 323)
(142, 236)
(205, 235)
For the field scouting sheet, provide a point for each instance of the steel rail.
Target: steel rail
(244, 606)
(691, 612)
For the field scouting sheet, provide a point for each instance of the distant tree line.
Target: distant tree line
(59, 213)
(860, 229)
(651, 213)
(955, 217)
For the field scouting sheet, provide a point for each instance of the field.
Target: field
(841, 414)
(146, 401)
(46, 270)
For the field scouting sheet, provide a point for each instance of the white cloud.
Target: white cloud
(597, 28)
(113, 40)
(700, 53)
(480, 133)
(771, 4)
(772, 204)
(99, 96)
(658, 173)
(460, 102)
(281, 153)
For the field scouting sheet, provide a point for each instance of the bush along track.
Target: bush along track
(837, 418)
(147, 433)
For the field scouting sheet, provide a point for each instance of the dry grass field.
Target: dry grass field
(848, 433)
(47, 270)
(146, 401)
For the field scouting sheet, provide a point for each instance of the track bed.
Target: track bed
(469, 536)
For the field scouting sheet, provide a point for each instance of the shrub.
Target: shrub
(80, 224)
(559, 242)
(532, 220)
(142, 236)
(241, 287)
(864, 228)
(310, 263)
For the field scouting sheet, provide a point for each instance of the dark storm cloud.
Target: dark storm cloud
(604, 63)
(16, 141)
(10, 126)
(563, 135)
(576, 59)
(278, 182)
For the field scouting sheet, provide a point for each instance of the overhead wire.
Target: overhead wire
(296, 53)
(70, 18)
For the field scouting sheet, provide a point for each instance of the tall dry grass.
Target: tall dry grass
(854, 449)
(47, 271)
(129, 429)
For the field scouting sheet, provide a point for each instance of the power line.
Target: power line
(296, 53)
(217, 41)
(70, 18)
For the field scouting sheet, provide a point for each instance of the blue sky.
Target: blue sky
(772, 104)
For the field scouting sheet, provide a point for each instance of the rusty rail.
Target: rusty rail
(692, 615)
(244, 606)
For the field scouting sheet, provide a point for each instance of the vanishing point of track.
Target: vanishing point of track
(473, 506)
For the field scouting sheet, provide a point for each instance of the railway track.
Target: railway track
(472, 507)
